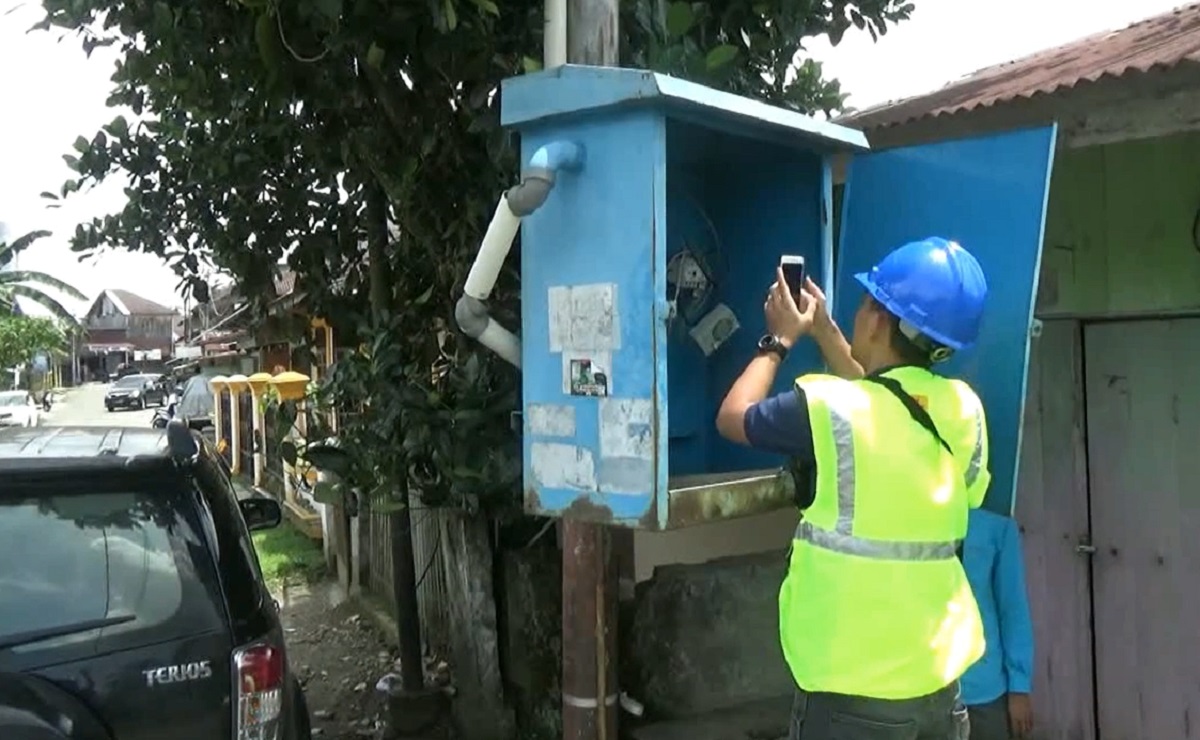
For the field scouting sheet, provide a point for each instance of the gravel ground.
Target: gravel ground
(340, 657)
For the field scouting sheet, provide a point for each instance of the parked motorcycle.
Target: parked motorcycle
(162, 416)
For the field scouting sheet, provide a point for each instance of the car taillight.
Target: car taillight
(259, 673)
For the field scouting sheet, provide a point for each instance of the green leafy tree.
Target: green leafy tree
(359, 140)
(24, 337)
(31, 284)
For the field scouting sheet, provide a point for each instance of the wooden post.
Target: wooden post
(589, 592)
(589, 614)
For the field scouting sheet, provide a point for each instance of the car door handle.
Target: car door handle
(1085, 546)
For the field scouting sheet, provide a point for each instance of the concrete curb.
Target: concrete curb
(373, 609)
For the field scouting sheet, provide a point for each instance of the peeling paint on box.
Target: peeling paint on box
(584, 317)
(627, 428)
(557, 465)
(551, 420)
(628, 475)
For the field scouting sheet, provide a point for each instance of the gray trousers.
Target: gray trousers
(937, 716)
(990, 721)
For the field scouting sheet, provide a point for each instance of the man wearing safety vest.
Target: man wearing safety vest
(877, 619)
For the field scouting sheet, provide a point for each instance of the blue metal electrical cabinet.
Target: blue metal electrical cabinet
(645, 271)
(989, 194)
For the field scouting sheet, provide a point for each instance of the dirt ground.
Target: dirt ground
(339, 657)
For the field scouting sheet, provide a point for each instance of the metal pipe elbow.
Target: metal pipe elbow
(539, 177)
(528, 195)
(471, 314)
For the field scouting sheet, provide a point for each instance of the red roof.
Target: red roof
(1163, 42)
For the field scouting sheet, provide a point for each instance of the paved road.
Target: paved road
(85, 406)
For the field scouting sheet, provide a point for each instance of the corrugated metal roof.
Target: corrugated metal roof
(1162, 42)
(139, 306)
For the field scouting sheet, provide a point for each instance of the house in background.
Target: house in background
(125, 328)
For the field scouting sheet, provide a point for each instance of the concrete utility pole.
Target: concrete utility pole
(589, 587)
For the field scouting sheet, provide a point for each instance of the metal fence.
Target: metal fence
(432, 594)
(432, 597)
(246, 436)
(226, 431)
(272, 455)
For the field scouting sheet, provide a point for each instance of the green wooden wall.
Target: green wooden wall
(1119, 230)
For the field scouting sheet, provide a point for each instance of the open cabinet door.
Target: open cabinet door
(988, 194)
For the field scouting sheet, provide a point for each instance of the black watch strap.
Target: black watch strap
(771, 344)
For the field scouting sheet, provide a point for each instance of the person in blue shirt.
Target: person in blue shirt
(996, 689)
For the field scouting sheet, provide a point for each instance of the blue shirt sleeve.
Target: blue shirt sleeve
(780, 424)
(1016, 626)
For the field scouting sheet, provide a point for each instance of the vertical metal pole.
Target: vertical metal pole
(589, 588)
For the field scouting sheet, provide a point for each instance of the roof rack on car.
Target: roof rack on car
(111, 444)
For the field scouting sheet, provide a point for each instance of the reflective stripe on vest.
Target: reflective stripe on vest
(977, 453)
(842, 538)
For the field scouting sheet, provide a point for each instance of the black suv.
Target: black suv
(132, 606)
(135, 392)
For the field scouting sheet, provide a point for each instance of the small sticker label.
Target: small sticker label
(588, 377)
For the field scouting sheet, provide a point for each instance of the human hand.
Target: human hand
(1020, 715)
(785, 319)
(821, 318)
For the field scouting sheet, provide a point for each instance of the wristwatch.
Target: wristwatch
(771, 343)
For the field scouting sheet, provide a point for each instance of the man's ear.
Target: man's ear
(876, 320)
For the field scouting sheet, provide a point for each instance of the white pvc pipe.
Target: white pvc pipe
(554, 38)
(496, 243)
(501, 341)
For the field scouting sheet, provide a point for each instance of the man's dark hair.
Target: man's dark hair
(197, 370)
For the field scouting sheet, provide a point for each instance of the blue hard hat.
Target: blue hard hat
(935, 286)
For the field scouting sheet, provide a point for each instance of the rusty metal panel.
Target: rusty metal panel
(1155, 44)
(1052, 510)
(1143, 427)
(696, 499)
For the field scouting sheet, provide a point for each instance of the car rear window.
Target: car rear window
(70, 559)
(14, 399)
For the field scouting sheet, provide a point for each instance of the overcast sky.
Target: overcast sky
(50, 93)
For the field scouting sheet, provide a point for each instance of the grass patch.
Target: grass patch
(288, 556)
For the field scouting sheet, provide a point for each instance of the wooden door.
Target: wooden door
(1052, 509)
(1143, 423)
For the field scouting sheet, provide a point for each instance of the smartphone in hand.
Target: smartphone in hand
(793, 272)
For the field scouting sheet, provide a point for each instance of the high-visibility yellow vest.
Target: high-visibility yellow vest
(876, 602)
